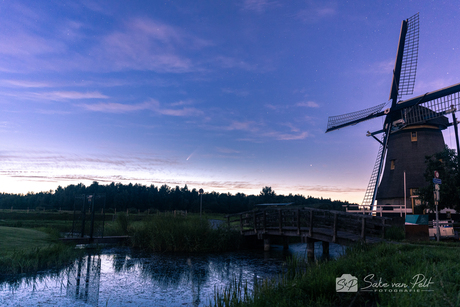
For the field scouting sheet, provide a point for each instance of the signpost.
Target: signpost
(436, 182)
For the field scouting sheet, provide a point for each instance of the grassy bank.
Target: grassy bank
(393, 274)
(182, 234)
(28, 250)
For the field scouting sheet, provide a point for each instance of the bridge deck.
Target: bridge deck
(311, 224)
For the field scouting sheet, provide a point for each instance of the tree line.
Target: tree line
(122, 197)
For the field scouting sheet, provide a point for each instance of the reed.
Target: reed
(182, 234)
(314, 283)
(32, 260)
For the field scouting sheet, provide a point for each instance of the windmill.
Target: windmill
(412, 128)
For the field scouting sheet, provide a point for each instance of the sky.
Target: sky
(228, 96)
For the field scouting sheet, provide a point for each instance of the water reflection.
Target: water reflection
(122, 277)
(83, 279)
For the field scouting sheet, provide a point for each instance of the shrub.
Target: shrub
(395, 233)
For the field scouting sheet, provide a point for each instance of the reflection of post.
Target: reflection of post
(88, 267)
(77, 283)
(84, 284)
(198, 276)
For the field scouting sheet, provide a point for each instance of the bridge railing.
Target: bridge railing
(304, 221)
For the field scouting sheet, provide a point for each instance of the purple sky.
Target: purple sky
(228, 96)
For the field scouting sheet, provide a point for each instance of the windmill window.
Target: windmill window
(392, 164)
(413, 136)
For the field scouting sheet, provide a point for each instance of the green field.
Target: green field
(14, 238)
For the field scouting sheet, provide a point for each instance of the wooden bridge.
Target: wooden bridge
(310, 225)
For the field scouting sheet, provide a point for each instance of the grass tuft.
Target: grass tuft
(314, 284)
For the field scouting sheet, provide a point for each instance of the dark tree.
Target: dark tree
(267, 195)
(446, 164)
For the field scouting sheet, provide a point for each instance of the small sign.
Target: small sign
(436, 174)
(437, 181)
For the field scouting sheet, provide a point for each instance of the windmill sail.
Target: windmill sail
(369, 196)
(406, 59)
(410, 57)
(340, 121)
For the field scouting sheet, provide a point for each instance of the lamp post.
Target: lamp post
(201, 201)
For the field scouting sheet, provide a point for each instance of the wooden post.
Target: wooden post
(298, 222)
(255, 221)
(383, 229)
(334, 230)
(325, 249)
(265, 220)
(285, 243)
(280, 217)
(241, 223)
(266, 243)
(311, 223)
(310, 249)
(363, 229)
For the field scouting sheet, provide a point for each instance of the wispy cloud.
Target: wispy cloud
(231, 62)
(25, 84)
(308, 104)
(241, 93)
(152, 105)
(226, 150)
(332, 189)
(259, 6)
(287, 136)
(145, 44)
(316, 11)
(259, 131)
(62, 95)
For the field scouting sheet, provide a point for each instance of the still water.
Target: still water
(123, 277)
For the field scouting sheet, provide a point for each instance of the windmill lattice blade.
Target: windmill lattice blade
(410, 57)
(340, 121)
(369, 195)
(432, 109)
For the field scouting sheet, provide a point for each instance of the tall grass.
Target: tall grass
(313, 284)
(39, 258)
(182, 234)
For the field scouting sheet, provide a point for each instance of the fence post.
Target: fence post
(363, 229)
(383, 229)
(255, 221)
(311, 223)
(298, 221)
(334, 235)
(310, 248)
(265, 220)
(280, 217)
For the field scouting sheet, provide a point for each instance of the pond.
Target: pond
(124, 277)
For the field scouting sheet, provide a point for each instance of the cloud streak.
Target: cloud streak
(259, 131)
(152, 105)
